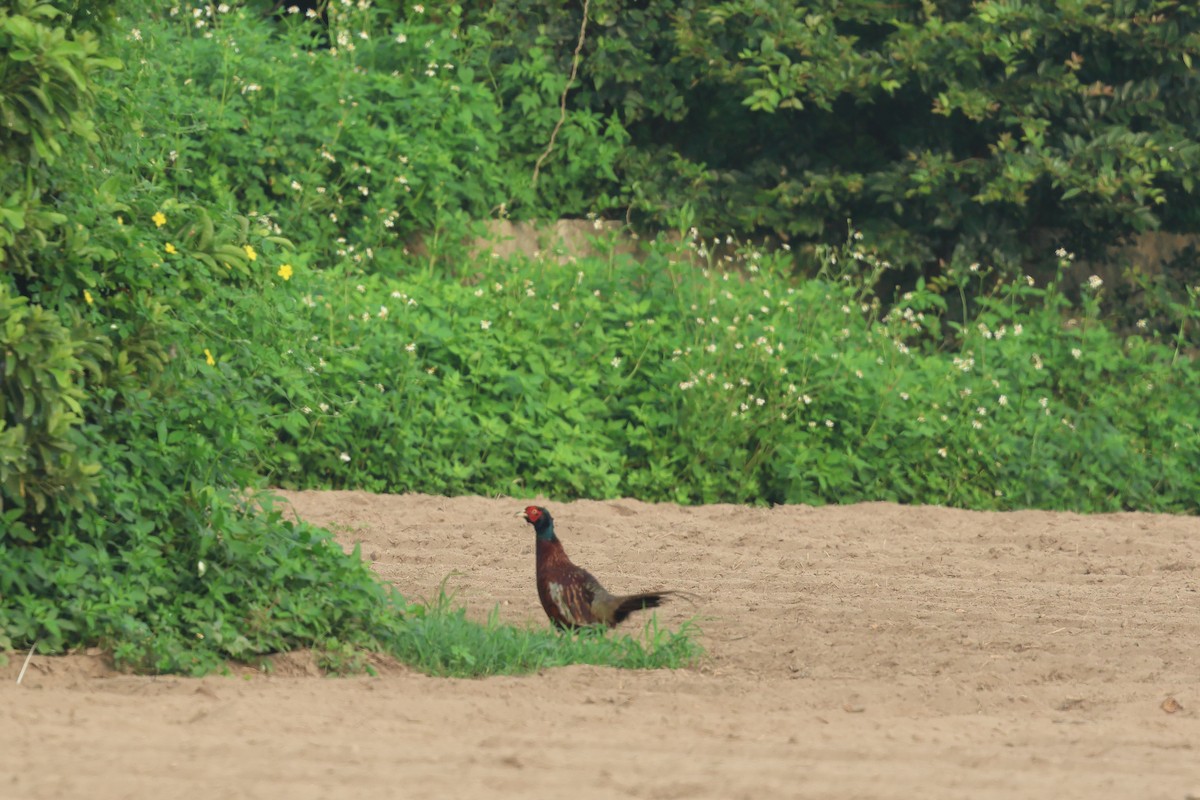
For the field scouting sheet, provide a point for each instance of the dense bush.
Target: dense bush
(736, 383)
(946, 130)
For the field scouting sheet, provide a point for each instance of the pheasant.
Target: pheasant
(571, 596)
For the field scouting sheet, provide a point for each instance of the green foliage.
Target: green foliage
(732, 383)
(946, 130)
(45, 108)
(41, 406)
(386, 132)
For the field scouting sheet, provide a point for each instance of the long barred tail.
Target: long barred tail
(636, 602)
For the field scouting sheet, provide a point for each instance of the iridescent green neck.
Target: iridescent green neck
(545, 530)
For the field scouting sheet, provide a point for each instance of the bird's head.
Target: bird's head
(540, 519)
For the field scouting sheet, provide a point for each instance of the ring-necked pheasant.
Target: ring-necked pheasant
(571, 596)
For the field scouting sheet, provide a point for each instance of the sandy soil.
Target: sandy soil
(860, 651)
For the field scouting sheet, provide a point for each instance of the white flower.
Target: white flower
(401, 39)
(904, 395)
(360, 288)
(828, 423)
(1141, 323)
(1095, 282)
(1043, 402)
(324, 407)
(485, 324)
(345, 457)
(411, 347)
(137, 37)
(976, 424)
(1003, 400)
(941, 452)
(201, 568)
(1076, 352)
(616, 362)
(420, 9)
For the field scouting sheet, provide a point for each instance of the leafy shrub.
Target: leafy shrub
(732, 383)
(946, 130)
(41, 406)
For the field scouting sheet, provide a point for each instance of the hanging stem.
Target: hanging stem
(562, 103)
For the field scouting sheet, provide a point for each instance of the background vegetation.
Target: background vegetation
(210, 283)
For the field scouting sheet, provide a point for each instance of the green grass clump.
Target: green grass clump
(440, 640)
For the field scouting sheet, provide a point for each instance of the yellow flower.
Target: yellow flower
(170, 247)
(212, 362)
(285, 272)
(120, 220)
(250, 254)
(159, 218)
(87, 296)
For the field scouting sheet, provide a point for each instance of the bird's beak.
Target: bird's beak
(521, 514)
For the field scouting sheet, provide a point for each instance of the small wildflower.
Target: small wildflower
(87, 297)
(208, 356)
(1076, 352)
(250, 254)
(1095, 282)
(485, 324)
(976, 424)
(159, 219)
(345, 457)
(616, 362)
(1003, 400)
(828, 423)
(411, 347)
(170, 248)
(1141, 323)
(285, 272)
(942, 452)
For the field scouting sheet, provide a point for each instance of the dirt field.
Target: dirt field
(861, 651)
